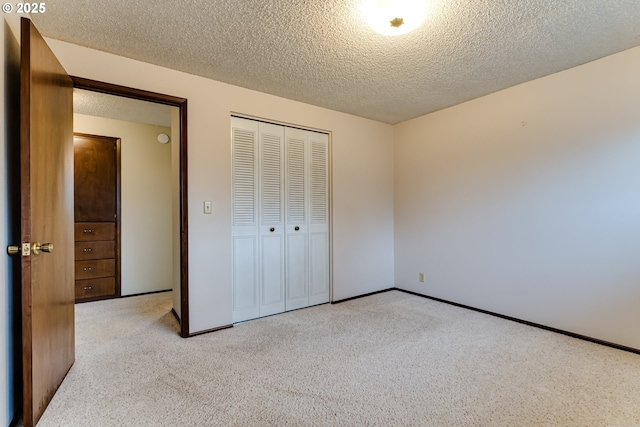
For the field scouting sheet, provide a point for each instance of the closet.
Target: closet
(96, 212)
(280, 209)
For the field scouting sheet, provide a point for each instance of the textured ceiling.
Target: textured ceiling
(322, 52)
(120, 108)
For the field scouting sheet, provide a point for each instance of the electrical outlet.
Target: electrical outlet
(421, 277)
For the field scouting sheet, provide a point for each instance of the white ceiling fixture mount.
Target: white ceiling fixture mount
(163, 138)
(394, 17)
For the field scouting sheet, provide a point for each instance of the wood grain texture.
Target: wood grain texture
(95, 178)
(95, 268)
(47, 216)
(88, 231)
(92, 289)
(95, 250)
(97, 203)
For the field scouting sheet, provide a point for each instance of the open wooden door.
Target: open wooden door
(46, 168)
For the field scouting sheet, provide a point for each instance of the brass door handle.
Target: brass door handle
(45, 247)
(12, 250)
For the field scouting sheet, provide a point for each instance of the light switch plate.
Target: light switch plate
(208, 207)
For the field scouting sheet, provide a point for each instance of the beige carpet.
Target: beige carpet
(391, 359)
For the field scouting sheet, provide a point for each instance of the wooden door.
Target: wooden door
(46, 158)
(95, 178)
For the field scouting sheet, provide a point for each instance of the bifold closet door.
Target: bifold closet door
(280, 232)
(244, 230)
(271, 229)
(297, 227)
(307, 214)
(319, 218)
(258, 219)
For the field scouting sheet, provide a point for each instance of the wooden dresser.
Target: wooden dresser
(96, 170)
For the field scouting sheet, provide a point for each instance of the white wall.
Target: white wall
(526, 202)
(362, 178)
(146, 212)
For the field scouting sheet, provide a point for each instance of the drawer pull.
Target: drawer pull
(87, 250)
(87, 269)
(87, 230)
(88, 288)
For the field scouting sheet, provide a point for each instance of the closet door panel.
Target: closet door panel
(296, 229)
(319, 179)
(271, 207)
(272, 280)
(243, 174)
(245, 272)
(244, 230)
(296, 265)
(319, 268)
(319, 224)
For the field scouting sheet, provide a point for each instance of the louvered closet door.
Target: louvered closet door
(297, 229)
(280, 197)
(271, 214)
(244, 149)
(319, 218)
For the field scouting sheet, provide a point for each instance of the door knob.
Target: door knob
(45, 247)
(12, 250)
(272, 229)
(297, 228)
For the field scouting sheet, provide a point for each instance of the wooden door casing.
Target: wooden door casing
(183, 236)
(46, 152)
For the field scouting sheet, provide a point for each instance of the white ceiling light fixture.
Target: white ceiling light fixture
(394, 17)
(163, 138)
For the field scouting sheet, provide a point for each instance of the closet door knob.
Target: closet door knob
(297, 228)
(272, 229)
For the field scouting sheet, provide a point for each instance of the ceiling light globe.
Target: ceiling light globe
(394, 17)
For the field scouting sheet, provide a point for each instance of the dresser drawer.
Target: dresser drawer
(95, 269)
(95, 231)
(95, 288)
(95, 250)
